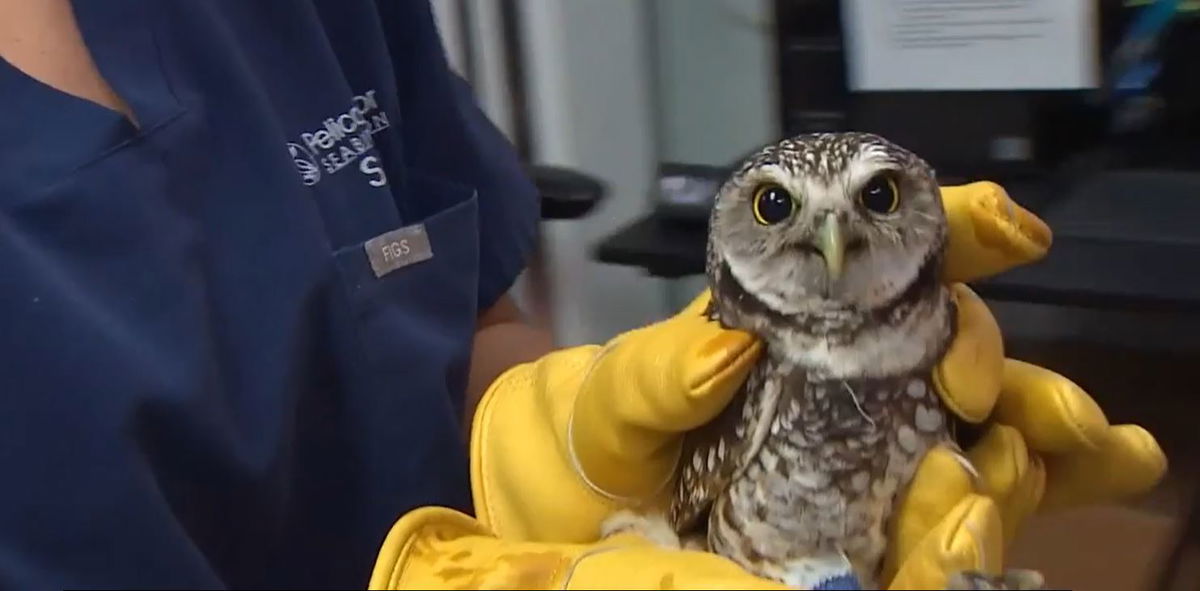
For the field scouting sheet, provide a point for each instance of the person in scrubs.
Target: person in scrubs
(255, 331)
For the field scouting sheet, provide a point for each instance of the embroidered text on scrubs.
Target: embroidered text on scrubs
(341, 141)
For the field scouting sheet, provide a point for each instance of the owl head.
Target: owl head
(826, 223)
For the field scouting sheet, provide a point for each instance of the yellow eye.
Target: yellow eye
(880, 195)
(772, 204)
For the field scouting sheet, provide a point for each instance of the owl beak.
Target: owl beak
(832, 245)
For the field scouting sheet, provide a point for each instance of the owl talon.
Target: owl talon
(652, 527)
(1016, 579)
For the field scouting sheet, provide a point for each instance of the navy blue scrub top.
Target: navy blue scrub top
(204, 380)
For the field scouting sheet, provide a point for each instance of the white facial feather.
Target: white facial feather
(779, 266)
(880, 351)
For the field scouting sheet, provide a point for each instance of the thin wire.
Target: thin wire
(861, 411)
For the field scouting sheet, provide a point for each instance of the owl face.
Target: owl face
(828, 222)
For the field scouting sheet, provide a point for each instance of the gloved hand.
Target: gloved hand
(438, 548)
(560, 443)
(1045, 443)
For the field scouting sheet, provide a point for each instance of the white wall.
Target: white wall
(450, 25)
(591, 104)
(489, 75)
(715, 78)
(599, 73)
(715, 85)
(617, 86)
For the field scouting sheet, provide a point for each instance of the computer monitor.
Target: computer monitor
(995, 89)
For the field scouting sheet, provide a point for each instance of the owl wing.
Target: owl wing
(715, 453)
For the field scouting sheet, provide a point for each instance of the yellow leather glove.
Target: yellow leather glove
(1046, 444)
(438, 548)
(560, 443)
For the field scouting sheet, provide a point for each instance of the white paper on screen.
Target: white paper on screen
(971, 44)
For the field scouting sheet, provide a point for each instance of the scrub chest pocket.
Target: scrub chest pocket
(414, 289)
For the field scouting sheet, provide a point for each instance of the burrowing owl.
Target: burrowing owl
(829, 248)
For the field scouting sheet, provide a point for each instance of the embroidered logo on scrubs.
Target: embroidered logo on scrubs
(341, 141)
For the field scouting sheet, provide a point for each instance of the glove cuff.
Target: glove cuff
(655, 491)
(438, 548)
(405, 554)
(615, 443)
(524, 481)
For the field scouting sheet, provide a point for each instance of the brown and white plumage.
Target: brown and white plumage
(828, 247)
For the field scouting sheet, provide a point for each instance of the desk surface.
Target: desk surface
(1128, 240)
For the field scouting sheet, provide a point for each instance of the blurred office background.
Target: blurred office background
(1092, 121)
(610, 89)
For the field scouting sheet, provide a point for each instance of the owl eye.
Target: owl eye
(880, 195)
(772, 204)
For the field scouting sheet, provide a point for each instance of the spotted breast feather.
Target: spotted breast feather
(802, 474)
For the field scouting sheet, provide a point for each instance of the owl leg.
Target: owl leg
(697, 542)
(831, 570)
(652, 527)
(1015, 578)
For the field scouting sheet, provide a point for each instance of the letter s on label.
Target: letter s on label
(369, 166)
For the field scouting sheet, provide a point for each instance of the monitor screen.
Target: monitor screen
(971, 45)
